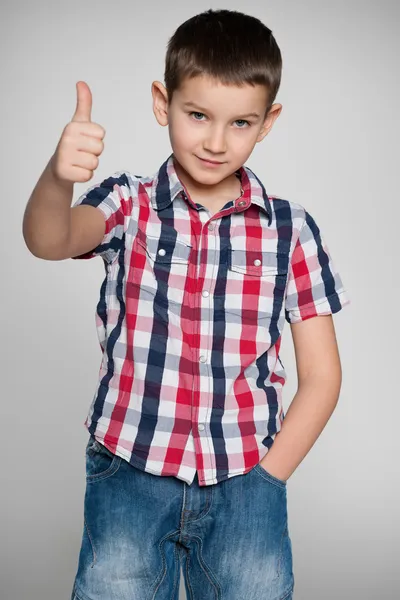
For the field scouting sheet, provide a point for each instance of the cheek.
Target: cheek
(248, 139)
(181, 134)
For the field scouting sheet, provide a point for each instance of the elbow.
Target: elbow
(45, 252)
(328, 378)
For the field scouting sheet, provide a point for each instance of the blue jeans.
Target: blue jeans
(231, 538)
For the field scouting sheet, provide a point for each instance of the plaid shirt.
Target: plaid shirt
(190, 318)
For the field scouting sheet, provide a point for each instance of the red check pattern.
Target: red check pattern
(190, 319)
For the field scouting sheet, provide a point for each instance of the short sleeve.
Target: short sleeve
(109, 197)
(314, 285)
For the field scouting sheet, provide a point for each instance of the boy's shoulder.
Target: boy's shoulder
(295, 209)
(130, 185)
(283, 211)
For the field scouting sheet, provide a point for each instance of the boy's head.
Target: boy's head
(227, 65)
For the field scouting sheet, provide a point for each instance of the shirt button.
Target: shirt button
(205, 293)
(257, 262)
(211, 226)
(161, 252)
(201, 426)
(202, 358)
(242, 203)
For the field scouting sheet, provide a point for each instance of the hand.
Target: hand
(264, 462)
(75, 158)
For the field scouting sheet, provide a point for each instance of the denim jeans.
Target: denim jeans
(231, 538)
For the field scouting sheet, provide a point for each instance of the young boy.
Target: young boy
(190, 449)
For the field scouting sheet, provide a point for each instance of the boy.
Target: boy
(190, 449)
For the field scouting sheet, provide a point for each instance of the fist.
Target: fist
(76, 156)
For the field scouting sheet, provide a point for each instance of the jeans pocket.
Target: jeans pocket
(101, 463)
(260, 470)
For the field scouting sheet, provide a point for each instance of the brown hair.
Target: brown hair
(229, 46)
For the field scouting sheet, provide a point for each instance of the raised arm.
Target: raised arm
(53, 230)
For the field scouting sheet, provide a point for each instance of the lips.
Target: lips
(213, 162)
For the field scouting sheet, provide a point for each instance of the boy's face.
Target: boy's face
(216, 125)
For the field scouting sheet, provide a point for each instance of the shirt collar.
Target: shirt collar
(167, 185)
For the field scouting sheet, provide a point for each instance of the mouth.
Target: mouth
(210, 162)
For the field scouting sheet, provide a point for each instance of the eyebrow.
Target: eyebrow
(193, 105)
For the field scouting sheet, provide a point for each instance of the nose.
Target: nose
(215, 141)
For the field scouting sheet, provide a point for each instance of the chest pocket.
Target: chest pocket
(255, 286)
(165, 262)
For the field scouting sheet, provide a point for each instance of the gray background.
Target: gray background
(333, 149)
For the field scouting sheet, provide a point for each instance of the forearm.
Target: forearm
(308, 413)
(46, 219)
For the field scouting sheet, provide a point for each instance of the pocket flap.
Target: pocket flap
(166, 249)
(258, 263)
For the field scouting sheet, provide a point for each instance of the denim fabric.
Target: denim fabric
(231, 538)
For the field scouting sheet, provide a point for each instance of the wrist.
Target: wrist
(272, 469)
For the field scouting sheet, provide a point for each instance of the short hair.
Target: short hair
(226, 45)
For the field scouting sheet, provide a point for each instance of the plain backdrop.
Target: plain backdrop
(334, 149)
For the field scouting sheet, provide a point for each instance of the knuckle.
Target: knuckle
(72, 128)
(68, 139)
(99, 130)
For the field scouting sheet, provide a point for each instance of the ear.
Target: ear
(269, 120)
(160, 102)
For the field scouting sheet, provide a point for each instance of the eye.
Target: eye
(237, 121)
(196, 113)
(242, 121)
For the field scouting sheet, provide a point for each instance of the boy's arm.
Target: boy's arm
(314, 292)
(319, 381)
(87, 230)
(53, 230)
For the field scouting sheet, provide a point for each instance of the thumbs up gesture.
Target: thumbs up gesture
(76, 156)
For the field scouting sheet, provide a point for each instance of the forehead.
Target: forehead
(205, 91)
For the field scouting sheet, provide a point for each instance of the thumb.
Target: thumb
(84, 103)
